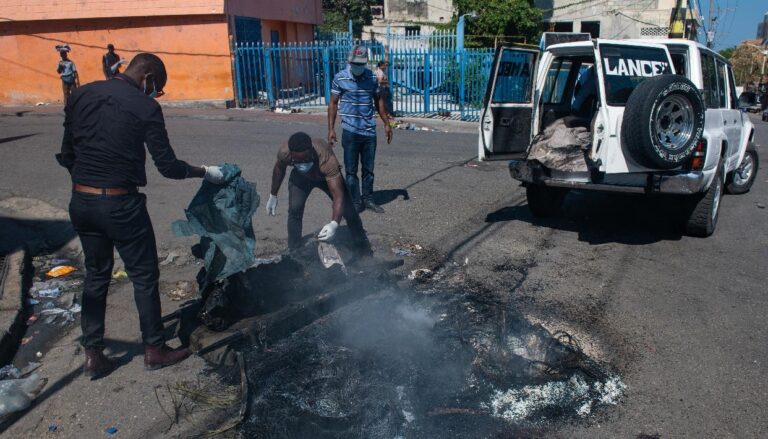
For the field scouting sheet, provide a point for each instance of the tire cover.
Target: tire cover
(638, 131)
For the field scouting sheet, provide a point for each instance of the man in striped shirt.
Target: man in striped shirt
(354, 95)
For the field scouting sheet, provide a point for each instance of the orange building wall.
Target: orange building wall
(195, 50)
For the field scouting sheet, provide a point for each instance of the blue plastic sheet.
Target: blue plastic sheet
(221, 216)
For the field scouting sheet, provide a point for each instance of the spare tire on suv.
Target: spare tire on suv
(663, 121)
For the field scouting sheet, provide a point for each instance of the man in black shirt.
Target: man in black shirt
(106, 125)
(111, 62)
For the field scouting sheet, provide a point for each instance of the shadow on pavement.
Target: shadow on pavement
(389, 195)
(12, 138)
(601, 218)
(128, 350)
(35, 236)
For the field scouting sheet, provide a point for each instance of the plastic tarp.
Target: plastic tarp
(221, 216)
(562, 145)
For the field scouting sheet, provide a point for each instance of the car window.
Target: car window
(557, 79)
(514, 77)
(721, 91)
(709, 78)
(732, 84)
(680, 61)
(626, 67)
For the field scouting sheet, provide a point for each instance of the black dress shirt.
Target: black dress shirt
(106, 125)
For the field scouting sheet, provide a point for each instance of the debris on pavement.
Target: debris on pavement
(52, 428)
(18, 394)
(172, 256)
(184, 289)
(286, 110)
(25, 340)
(329, 256)
(61, 271)
(421, 275)
(406, 249)
(119, 275)
(66, 315)
(111, 431)
(50, 293)
(760, 206)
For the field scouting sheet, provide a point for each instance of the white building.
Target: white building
(614, 19)
(411, 17)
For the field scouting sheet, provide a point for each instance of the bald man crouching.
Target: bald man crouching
(314, 167)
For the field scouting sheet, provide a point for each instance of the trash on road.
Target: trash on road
(32, 302)
(32, 319)
(111, 430)
(50, 293)
(61, 271)
(52, 428)
(329, 256)
(421, 274)
(170, 258)
(25, 340)
(65, 315)
(184, 289)
(760, 206)
(18, 394)
(401, 252)
(119, 275)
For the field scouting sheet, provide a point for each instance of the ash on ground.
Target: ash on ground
(438, 363)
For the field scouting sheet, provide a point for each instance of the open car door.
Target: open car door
(505, 123)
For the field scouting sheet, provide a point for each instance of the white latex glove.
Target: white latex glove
(213, 174)
(272, 205)
(328, 231)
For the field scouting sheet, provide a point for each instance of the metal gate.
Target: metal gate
(425, 79)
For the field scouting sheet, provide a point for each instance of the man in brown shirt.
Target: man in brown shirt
(314, 166)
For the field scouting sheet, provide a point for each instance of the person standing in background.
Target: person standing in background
(111, 62)
(355, 97)
(67, 71)
(386, 94)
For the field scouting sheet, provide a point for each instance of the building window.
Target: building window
(563, 26)
(247, 30)
(413, 30)
(591, 27)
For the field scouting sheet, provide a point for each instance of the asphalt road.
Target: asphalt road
(682, 319)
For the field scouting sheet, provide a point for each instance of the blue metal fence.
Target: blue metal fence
(424, 81)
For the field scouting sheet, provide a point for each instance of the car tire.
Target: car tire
(663, 121)
(740, 181)
(704, 209)
(543, 201)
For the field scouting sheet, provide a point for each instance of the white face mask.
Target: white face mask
(356, 70)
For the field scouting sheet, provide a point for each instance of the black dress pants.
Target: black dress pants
(299, 188)
(105, 222)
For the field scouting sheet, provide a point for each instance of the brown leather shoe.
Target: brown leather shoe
(97, 364)
(157, 357)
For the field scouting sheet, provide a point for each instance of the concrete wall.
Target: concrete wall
(296, 11)
(26, 10)
(625, 23)
(195, 50)
(418, 10)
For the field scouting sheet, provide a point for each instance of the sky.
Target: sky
(738, 20)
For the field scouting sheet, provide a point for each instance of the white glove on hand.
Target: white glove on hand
(272, 205)
(213, 174)
(328, 231)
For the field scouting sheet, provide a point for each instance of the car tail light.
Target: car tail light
(699, 155)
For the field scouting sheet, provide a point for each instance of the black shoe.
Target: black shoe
(359, 207)
(370, 205)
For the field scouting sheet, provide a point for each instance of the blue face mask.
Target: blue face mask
(356, 70)
(153, 94)
(304, 167)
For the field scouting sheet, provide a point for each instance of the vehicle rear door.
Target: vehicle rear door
(505, 122)
(622, 67)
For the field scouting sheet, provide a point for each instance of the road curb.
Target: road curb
(13, 310)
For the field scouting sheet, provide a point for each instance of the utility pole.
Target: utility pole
(710, 29)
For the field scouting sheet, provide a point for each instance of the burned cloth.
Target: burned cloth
(221, 216)
(561, 146)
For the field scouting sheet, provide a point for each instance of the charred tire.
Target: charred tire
(545, 201)
(663, 121)
(704, 210)
(740, 180)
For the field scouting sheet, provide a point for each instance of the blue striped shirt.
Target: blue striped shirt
(357, 101)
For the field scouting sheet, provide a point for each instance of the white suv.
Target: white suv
(655, 116)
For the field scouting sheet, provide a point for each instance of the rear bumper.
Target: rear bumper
(669, 182)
